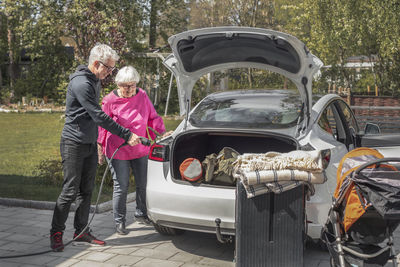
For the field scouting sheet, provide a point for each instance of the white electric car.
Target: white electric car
(252, 121)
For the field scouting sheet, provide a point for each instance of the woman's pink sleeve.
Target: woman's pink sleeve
(155, 121)
(101, 139)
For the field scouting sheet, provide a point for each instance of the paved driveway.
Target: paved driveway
(27, 230)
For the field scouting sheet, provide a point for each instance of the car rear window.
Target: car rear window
(251, 109)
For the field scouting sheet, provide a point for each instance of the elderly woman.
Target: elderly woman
(131, 107)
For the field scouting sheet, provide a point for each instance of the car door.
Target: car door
(333, 136)
(387, 144)
(327, 134)
(350, 125)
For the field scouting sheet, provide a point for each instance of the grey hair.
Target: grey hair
(102, 53)
(127, 74)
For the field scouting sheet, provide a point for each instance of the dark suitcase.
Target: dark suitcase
(270, 228)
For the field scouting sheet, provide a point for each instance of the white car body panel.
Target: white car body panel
(169, 201)
(179, 204)
(391, 151)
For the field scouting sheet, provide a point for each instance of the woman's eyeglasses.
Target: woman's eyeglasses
(127, 86)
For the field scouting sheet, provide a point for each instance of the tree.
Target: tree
(118, 24)
(15, 15)
(33, 31)
(3, 47)
(340, 29)
(165, 18)
(88, 22)
(248, 13)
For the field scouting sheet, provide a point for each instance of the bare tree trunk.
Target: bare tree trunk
(224, 82)
(254, 15)
(1, 79)
(208, 83)
(11, 57)
(253, 24)
(250, 78)
(153, 24)
(212, 79)
(1, 58)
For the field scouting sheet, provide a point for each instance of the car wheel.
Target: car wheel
(164, 230)
(322, 245)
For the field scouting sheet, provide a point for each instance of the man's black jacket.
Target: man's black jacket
(83, 113)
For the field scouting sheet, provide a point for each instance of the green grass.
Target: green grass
(26, 139)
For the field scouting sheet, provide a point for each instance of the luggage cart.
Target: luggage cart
(270, 228)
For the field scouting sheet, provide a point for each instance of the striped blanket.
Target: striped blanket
(279, 172)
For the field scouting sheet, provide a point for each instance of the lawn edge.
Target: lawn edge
(49, 205)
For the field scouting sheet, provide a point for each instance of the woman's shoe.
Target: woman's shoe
(121, 230)
(141, 217)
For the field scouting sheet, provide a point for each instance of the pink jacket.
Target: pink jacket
(134, 113)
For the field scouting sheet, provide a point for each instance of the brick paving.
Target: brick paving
(24, 230)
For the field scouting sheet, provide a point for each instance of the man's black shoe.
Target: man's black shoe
(56, 242)
(89, 238)
(121, 230)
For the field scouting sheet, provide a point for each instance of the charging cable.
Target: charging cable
(145, 142)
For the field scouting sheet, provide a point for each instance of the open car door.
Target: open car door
(198, 52)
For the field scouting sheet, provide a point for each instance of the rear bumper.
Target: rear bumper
(195, 207)
(187, 206)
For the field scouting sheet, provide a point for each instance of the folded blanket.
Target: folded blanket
(259, 189)
(265, 176)
(294, 160)
(279, 172)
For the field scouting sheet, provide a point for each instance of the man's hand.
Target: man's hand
(134, 140)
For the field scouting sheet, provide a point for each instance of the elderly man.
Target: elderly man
(78, 144)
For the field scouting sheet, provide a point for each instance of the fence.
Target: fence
(387, 118)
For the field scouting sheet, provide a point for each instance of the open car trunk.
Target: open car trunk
(199, 144)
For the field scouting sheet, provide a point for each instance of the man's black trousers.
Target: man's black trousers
(79, 166)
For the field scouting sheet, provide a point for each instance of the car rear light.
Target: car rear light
(326, 157)
(159, 152)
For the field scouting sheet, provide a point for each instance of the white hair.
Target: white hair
(102, 53)
(127, 74)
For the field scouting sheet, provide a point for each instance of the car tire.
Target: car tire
(164, 230)
(322, 245)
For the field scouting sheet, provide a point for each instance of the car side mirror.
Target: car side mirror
(372, 128)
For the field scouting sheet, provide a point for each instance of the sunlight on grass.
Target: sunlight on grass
(27, 139)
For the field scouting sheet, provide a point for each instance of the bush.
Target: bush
(5, 95)
(50, 172)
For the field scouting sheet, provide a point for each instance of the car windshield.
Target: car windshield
(264, 109)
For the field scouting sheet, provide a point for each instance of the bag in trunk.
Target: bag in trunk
(219, 168)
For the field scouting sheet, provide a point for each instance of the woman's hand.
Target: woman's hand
(100, 154)
(101, 159)
(167, 134)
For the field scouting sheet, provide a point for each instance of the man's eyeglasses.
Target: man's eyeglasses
(109, 69)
